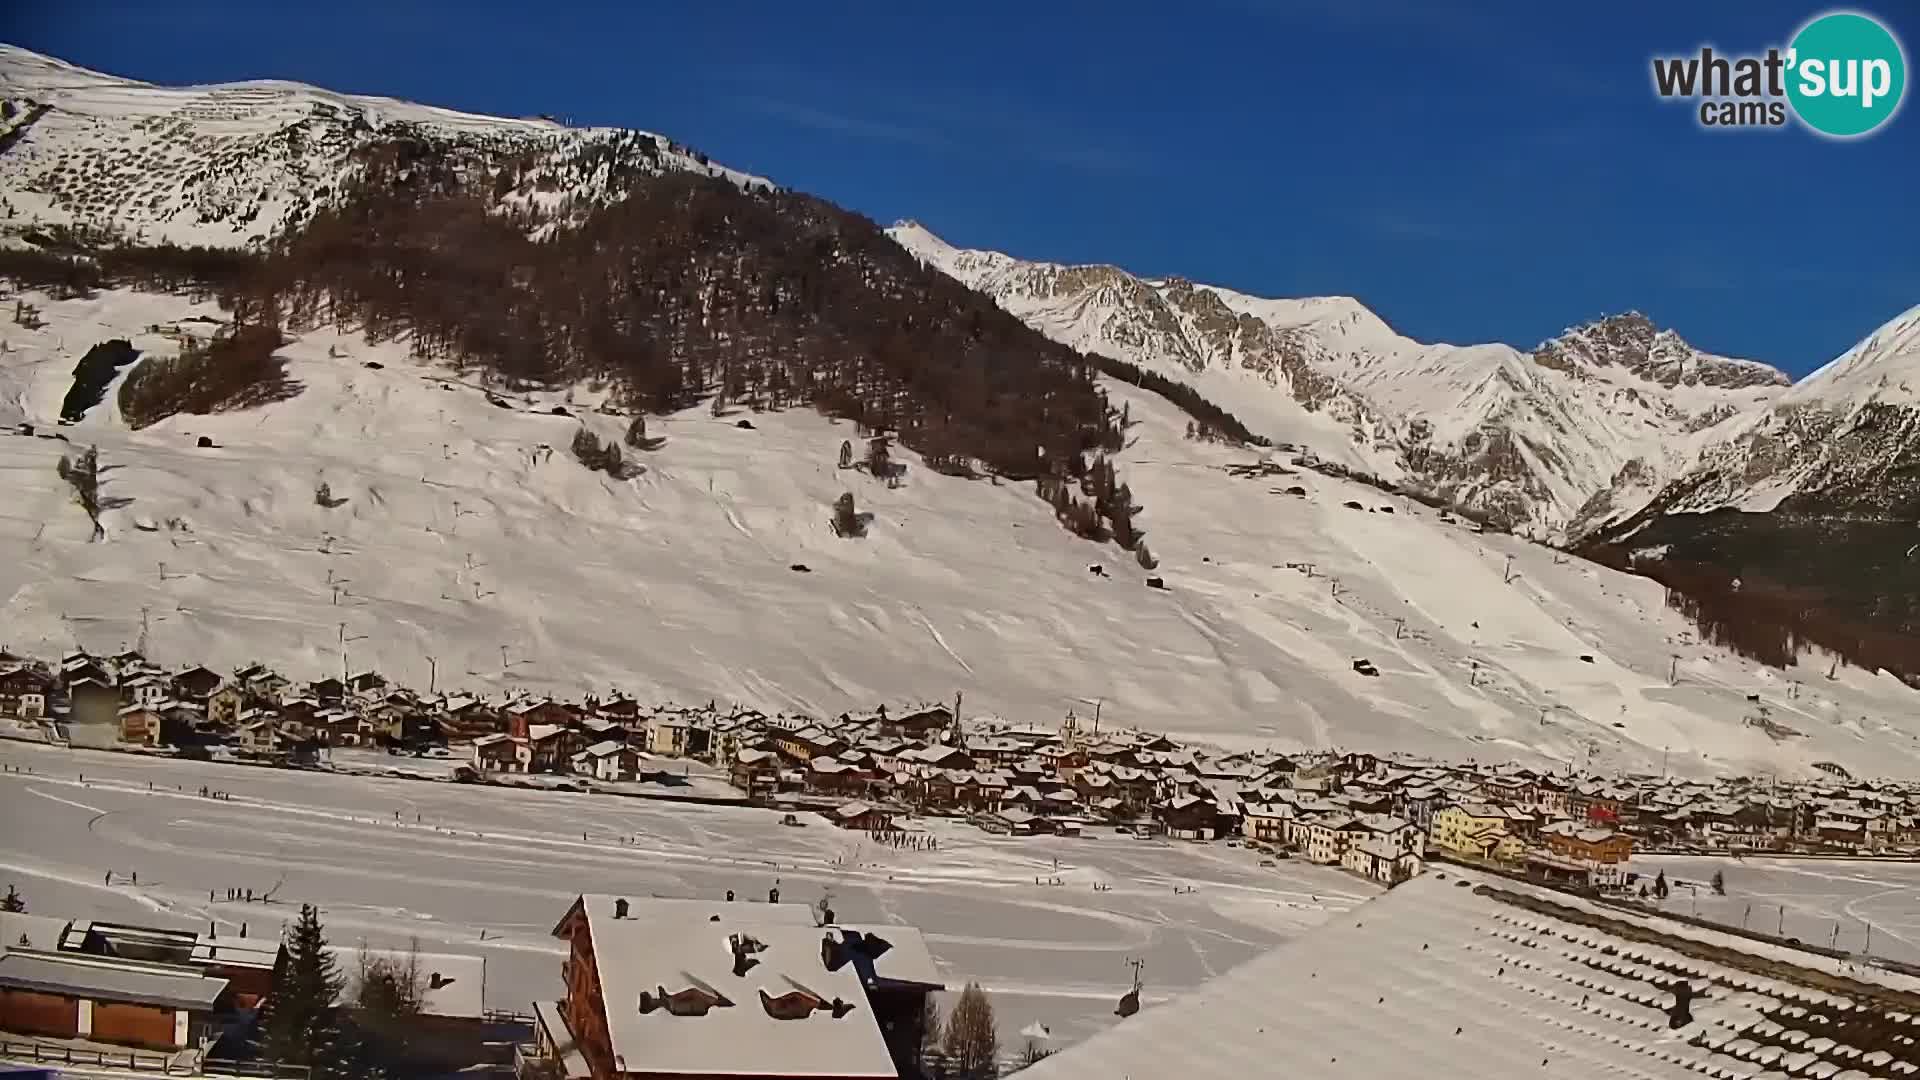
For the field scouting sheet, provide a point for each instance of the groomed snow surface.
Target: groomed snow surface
(470, 536)
(489, 872)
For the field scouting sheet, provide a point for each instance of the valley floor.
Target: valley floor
(490, 871)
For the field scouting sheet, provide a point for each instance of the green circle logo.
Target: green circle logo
(1845, 74)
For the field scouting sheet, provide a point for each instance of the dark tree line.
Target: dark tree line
(235, 369)
(682, 288)
(690, 288)
(69, 267)
(1768, 622)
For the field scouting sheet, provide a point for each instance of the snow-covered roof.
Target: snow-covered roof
(1380, 848)
(24, 931)
(1435, 979)
(680, 948)
(108, 979)
(451, 984)
(255, 952)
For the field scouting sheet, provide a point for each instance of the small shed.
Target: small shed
(861, 816)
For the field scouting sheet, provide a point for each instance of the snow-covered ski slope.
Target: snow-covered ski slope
(473, 549)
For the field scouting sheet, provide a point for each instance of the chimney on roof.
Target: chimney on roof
(743, 949)
(620, 908)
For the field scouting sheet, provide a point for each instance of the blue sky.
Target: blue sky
(1495, 172)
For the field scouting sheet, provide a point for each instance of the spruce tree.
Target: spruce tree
(301, 1024)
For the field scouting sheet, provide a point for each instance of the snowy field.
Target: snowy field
(1874, 905)
(470, 538)
(489, 872)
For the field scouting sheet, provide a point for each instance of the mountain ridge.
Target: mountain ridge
(1528, 436)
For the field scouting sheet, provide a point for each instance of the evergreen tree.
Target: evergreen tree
(846, 454)
(1719, 883)
(972, 1042)
(301, 1025)
(1660, 889)
(637, 433)
(13, 903)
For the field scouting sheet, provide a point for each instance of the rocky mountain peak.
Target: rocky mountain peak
(1632, 342)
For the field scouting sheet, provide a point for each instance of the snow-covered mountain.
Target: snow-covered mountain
(458, 531)
(1845, 438)
(459, 536)
(235, 163)
(1818, 492)
(1529, 438)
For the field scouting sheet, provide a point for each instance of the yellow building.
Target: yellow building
(1475, 829)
